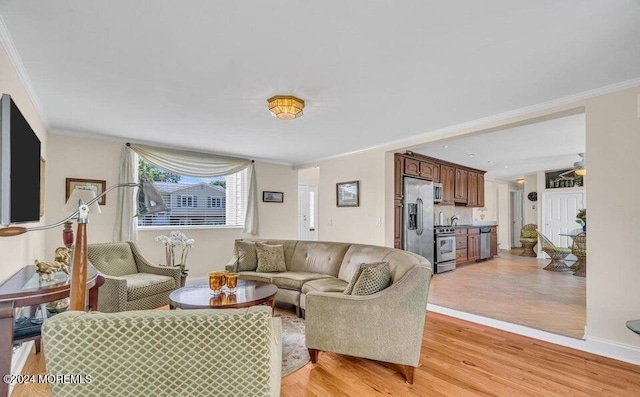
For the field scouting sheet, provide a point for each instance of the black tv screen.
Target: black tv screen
(19, 166)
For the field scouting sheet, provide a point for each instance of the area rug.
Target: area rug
(294, 350)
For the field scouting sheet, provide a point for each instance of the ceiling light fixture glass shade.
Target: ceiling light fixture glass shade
(286, 107)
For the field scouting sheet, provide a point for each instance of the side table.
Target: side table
(24, 289)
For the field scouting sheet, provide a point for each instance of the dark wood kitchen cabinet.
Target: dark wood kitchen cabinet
(398, 196)
(429, 170)
(493, 251)
(447, 178)
(480, 189)
(472, 191)
(473, 244)
(461, 187)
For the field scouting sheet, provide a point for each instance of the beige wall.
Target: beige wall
(20, 251)
(98, 159)
(613, 273)
(363, 224)
(530, 208)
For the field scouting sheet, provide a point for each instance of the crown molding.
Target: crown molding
(482, 123)
(14, 57)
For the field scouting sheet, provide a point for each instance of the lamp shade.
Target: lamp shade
(149, 200)
(84, 193)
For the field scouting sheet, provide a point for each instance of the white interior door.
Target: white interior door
(303, 212)
(559, 215)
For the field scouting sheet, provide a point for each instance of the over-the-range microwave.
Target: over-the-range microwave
(437, 192)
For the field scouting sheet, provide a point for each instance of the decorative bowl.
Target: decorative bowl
(58, 306)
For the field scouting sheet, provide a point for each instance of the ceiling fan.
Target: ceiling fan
(580, 166)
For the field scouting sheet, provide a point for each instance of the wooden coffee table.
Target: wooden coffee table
(199, 296)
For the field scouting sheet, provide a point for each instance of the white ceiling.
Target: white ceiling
(512, 153)
(197, 74)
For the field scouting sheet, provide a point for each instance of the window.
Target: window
(217, 201)
(187, 201)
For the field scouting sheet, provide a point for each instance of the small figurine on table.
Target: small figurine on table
(46, 270)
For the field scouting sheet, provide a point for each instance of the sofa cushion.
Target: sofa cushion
(356, 276)
(528, 240)
(247, 257)
(142, 285)
(270, 258)
(291, 280)
(357, 255)
(329, 284)
(257, 276)
(373, 278)
(318, 257)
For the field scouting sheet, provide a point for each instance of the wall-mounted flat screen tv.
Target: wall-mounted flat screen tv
(19, 166)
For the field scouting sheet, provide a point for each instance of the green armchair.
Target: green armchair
(131, 281)
(226, 353)
(529, 239)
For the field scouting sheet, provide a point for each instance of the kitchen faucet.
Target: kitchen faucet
(453, 218)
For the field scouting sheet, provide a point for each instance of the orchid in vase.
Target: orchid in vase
(176, 239)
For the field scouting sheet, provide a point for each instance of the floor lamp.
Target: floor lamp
(149, 202)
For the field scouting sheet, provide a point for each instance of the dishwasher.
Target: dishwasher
(485, 242)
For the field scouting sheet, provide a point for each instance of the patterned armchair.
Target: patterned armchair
(131, 281)
(529, 239)
(231, 352)
(557, 255)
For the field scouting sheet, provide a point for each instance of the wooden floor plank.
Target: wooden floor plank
(515, 289)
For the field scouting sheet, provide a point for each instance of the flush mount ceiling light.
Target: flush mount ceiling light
(286, 107)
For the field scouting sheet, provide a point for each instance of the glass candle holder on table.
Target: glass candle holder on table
(217, 280)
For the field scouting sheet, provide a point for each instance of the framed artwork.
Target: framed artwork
(100, 186)
(273, 197)
(348, 194)
(43, 164)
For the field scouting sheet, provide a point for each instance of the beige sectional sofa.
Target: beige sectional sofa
(386, 326)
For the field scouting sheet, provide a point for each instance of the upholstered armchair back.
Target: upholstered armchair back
(231, 352)
(113, 259)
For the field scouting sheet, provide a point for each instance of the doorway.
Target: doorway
(517, 217)
(308, 180)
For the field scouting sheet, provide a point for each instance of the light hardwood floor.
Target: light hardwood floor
(458, 359)
(515, 289)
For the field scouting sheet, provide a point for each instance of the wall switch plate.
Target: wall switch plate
(379, 222)
(330, 223)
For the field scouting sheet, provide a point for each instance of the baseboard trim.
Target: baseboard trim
(601, 347)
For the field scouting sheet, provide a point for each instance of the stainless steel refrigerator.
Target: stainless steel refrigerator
(417, 222)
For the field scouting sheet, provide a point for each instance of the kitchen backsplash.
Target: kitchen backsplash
(465, 214)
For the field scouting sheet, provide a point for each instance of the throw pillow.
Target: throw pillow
(529, 234)
(270, 258)
(356, 275)
(372, 279)
(247, 257)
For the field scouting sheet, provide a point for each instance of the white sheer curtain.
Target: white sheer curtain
(126, 227)
(191, 164)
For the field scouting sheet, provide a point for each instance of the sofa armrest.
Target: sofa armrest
(112, 295)
(232, 265)
(366, 326)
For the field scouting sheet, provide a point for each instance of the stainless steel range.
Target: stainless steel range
(445, 249)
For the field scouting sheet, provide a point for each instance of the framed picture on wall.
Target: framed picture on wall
(273, 197)
(348, 194)
(99, 185)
